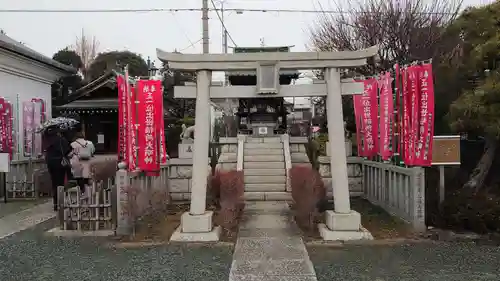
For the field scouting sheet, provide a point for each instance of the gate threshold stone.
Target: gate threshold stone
(269, 246)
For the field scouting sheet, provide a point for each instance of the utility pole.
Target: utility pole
(224, 41)
(224, 30)
(204, 19)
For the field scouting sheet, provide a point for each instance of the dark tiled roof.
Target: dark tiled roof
(108, 78)
(12, 45)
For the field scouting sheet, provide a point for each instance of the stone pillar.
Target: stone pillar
(336, 141)
(196, 225)
(122, 182)
(201, 144)
(343, 223)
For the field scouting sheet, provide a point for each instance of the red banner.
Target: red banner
(366, 110)
(405, 128)
(397, 122)
(148, 140)
(413, 90)
(122, 118)
(426, 116)
(133, 126)
(386, 116)
(358, 114)
(156, 89)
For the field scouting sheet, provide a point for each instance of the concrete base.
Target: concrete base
(343, 222)
(335, 235)
(58, 232)
(211, 236)
(196, 223)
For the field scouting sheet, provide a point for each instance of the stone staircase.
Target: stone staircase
(264, 169)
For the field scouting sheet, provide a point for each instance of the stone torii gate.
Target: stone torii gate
(343, 223)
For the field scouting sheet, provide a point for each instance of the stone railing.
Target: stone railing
(353, 171)
(21, 181)
(400, 191)
(139, 195)
(285, 139)
(228, 159)
(298, 154)
(240, 154)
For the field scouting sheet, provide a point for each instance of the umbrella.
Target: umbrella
(64, 123)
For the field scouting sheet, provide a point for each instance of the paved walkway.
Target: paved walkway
(22, 220)
(269, 247)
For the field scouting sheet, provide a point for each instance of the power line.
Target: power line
(156, 10)
(191, 45)
(223, 25)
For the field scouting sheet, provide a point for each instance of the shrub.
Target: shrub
(307, 190)
(231, 191)
(469, 210)
(213, 189)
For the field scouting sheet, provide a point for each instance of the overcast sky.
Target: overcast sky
(144, 32)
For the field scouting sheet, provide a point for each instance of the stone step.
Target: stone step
(264, 172)
(268, 196)
(265, 187)
(268, 151)
(263, 165)
(264, 140)
(265, 179)
(264, 158)
(251, 145)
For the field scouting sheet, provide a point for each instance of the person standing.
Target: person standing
(57, 154)
(82, 152)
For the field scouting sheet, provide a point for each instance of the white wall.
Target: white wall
(12, 87)
(21, 80)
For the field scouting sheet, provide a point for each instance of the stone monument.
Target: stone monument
(187, 142)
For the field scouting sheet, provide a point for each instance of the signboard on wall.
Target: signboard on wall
(446, 150)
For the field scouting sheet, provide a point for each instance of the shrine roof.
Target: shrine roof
(9, 44)
(106, 80)
(90, 104)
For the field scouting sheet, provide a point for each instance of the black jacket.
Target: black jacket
(57, 149)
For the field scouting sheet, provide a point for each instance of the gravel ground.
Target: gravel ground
(421, 261)
(31, 255)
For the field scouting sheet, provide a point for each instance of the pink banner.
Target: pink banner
(426, 116)
(3, 126)
(8, 128)
(368, 114)
(386, 116)
(37, 121)
(122, 118)
(28, 129)
(148, 139)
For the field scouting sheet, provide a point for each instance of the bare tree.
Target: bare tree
(87, 47)
(405, 30)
